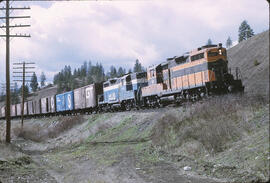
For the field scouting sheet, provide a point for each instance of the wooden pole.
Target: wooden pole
(23, 83)
(8, 125)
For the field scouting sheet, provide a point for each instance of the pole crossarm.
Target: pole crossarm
(22, 72)
(21, 76)
(11, 8)
(24, 67)
(16, 35)
(21, 63)
(15, 26)
(22, 80)
(16, 17)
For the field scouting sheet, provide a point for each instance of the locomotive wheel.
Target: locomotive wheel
(128, 106)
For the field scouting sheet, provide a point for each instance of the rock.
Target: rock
(187, 168)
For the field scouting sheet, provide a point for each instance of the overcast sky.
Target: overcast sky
(118, 32)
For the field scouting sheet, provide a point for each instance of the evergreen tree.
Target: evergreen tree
(86, 74)
(34, 82)
(42, 79)
(15, 97)
(244, 31)
(26, 91)
(229, 42)
(113, 72)
(121, 71)
(84, 69)
(209, 42)
(138, 66)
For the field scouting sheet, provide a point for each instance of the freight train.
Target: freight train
(193, 75)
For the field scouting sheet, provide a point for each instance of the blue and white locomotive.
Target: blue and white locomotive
(122, 93)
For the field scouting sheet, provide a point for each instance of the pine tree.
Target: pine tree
(244, 31)
(138, 66)
(209, 42)
(26, 91)
(34, 82)
(121, 71)
(229, 42)
(42, 79)
(113, 72)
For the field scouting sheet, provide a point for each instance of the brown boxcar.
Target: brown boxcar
(19, 109)
(25, 109)
(79, 98)
(30, 107)
(3, 111)
(45, 105)
(87, 96)
(37, 106)
(52, 104)
(91, 94)
(13, 110)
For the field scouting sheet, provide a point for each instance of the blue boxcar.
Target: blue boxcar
(65, 101)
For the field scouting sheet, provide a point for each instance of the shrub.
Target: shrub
(213, 122)
(256, 62)
(37, 133)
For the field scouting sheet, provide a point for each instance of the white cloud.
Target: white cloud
(116, 33)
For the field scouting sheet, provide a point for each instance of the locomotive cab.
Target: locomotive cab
(155, 81)
(220, 76)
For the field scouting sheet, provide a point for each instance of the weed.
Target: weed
(256, 62)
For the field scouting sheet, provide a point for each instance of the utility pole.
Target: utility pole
(8, 36)
(22, 71)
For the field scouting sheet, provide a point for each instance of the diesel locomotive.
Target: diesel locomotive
(193, 75)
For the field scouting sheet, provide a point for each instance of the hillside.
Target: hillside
(244, 55)
(168, 145)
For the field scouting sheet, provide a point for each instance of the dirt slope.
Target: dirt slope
(244, 56)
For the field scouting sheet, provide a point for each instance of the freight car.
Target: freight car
(86, 98)
(195, 74)
(65, 102)
(198, 73)
(3, 112)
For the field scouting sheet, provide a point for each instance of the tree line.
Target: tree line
(89, 73)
